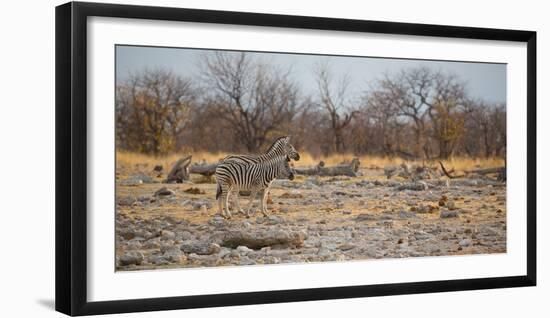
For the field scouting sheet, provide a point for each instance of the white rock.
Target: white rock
(244, 250)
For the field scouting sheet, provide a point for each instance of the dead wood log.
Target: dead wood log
(311, 171)
(206, 170)
(258, 239)
(487, 170)
(449, 173)
(182, 169)
(412, 171)
(320, 169)
(499, 171)
(179, 171)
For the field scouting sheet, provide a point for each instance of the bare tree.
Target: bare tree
(447, 110)
(381, 108)
(152, 109)
(254, 98)
(407, 93)
(433, 102)
(485, 129)
(335, 101)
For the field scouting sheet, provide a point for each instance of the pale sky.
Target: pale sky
(486, 81)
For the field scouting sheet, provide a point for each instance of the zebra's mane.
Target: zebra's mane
(275, 143)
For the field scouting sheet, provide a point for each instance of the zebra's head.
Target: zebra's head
(283, 147)
(290, 151)
(287, 172)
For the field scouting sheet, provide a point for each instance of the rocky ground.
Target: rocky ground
(312, 219)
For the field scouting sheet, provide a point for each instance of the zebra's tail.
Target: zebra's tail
(218, 191)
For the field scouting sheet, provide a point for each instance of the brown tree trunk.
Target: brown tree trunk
(179, 171)
(206, 170)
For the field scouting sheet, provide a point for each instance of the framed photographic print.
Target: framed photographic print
(208, 158)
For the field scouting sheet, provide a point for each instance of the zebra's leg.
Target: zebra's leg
(220, 206)
(264, 201)
(253, 194)
(223, 200)
(237, 204)
(219, 196)
(226, 201)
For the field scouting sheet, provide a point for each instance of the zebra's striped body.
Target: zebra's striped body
(256, 177)
(280, 147)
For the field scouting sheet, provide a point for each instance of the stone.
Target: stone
(131, 182)
(414, 186)
(157, 168)
(158, 260)
(464, 243)
(346, 247)
(323, 252)
(126, 201)
(451, 205)
(200, 248)
(217, 221)
(152, 244)
(133, 245)
(194, 190)
(185, 235)
(256, 239)
(167, 235)
(274, 220)
(448, 214)
(365, 217)
(406, 215)
(174, 255)
(144, 199)
(131, 258)
(127, 234)
(137, 180)
(425, 209)
(244, 250)
(164, 191)
(201, 205)
(144, 178)
(247, 261)
(291, 195)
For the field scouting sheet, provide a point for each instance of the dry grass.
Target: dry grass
(370, 161)
(134, 159)
(466, 163)
(129, 159)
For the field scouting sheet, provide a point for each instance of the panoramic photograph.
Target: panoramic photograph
(231, 158)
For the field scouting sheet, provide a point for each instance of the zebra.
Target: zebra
(280, 147)
(255, 177)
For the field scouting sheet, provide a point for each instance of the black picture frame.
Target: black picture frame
(71, 157)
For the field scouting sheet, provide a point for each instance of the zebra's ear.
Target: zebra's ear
(287, 138)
